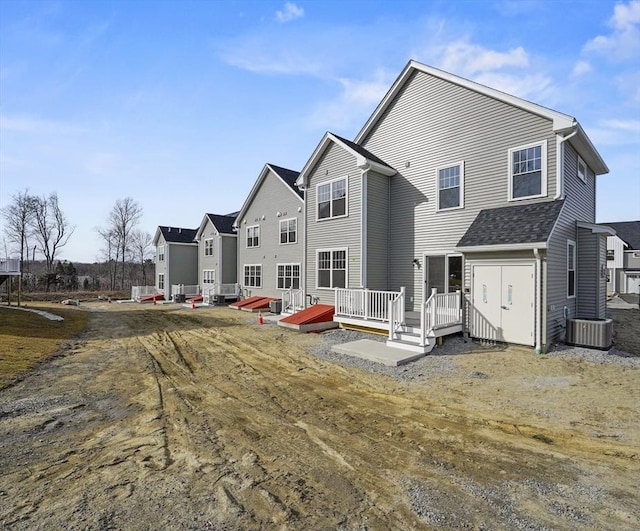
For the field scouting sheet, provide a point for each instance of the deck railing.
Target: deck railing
(364, 304)
(188, 290)
(441, 310)
(143, 291)
(9, 265)
(292, 300)
(396, 315)
(211, 292)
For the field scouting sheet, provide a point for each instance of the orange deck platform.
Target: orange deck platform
(239, 304)
(262, 304)
(311, 319)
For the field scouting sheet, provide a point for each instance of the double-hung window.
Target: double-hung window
(288, 276)
(208, 276)
(160, 280)
(332, 268)
(208, 247)
(332, 199)
(450, 181)
(253, 236)
(253, 276)
(288, 230)
(571, 268)
(528, 171)
(161, 253)
(582, 170)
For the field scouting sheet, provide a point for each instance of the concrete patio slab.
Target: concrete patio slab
(376, 351)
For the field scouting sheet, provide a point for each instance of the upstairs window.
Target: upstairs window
(208, 247)
(582, 170)
(571, 269)
(450, 186)
(161, 253)
(528, 171)
(288, 230)
(332, 199)
(253, 236)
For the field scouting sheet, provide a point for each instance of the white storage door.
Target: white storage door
(633, 283)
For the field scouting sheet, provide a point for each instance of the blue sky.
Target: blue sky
(179, 104)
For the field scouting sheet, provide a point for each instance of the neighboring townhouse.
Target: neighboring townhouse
(456, 194)
(176, 260)
(270, 245)
(217, 257)
(623, 257)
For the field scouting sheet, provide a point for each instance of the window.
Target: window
(582, 170)
(160, 280)
(161, 253)
(208, 276)
(208, 247)
(528, 171)
(253, 236)
(288, 230)
(450, 182)
(332, 268)
(571, 269)
(332, 199)
(288, 276)
(611, 254)
(253, 276)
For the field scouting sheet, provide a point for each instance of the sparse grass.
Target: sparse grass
(27, 339)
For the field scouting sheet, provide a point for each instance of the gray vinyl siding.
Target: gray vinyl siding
(341, 232)
(210, 262)
(434, 123)
(273, 201)
(161, 265)
(229, 273)
(377, 231)
(587, 273)
(182, 262)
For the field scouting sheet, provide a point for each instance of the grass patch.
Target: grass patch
(27, 339)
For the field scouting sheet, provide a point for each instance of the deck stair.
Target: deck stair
(312, 319)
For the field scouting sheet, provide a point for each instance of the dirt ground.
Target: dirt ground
(164, 417)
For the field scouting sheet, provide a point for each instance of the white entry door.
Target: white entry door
(503, 303)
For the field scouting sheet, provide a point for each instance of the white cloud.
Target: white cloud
(580, 69)
(290, 12)
(616, 132)
(28, 124)
(470, 59)
(624, 40)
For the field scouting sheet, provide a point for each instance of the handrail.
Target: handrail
(364, 304)
(396, 314)
(441, 310)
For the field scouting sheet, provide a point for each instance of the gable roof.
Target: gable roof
(516, 225)
(222, 223)
(175, 234)
(627, 231)
(288, 178)
(364, 158)
(563, 124)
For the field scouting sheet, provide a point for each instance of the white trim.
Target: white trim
(246, 233)
(280, 222)
(543, 170)
(502, 247)
(346, 198)
(212, 278)
(583, 178)
(284, 264)
(346, 265)
(446, 254)
(204, 247)
(575, 270)
(244, 266)
(596, 228)
(460, 185)
(163, 281)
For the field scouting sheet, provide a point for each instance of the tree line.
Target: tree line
(36, 230)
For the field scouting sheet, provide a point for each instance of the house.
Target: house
(623, 257)
(217, 257)
(176, 261)
(457, 207)
(269, 238)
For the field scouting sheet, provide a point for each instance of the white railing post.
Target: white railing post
(365, 295)
(401, 304)
(392, 328)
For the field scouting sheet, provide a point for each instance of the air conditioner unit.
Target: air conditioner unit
(594, 333)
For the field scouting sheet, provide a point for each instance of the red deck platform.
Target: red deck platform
(311, 319)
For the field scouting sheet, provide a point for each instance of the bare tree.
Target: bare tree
(18, 215)
(110, 253)
(141, 250)
(124, 216)
(51, 229)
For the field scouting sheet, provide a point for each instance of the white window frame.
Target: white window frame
(161, 281)
(571, 253)
(160, 253)
(255, 228)
(346, 198)
(285, 276)
(287, 231)
(460, 165)
(346, 267)
(582, 175)
(256, 276)
(208, 276)
(543, 170)
(208, 247)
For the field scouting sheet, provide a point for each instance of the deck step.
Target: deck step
(410, 346)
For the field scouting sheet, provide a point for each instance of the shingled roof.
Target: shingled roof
(517, 224)
(223, 224)
(178, 234)
(288, 176)
(362, 151)
(627, 231)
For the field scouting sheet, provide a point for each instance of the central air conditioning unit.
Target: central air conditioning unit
(593, 333)
(275, 306)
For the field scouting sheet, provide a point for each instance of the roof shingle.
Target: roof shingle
(178, 234)
(627, 231)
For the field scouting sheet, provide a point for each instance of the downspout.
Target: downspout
(560, 163)
(303, 271)
(363, 229)
(538, 308)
